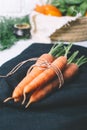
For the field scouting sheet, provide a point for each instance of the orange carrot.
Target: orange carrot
(56, 50)
(41, 93)
(69, 72)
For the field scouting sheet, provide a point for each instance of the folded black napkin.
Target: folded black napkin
(65, 109)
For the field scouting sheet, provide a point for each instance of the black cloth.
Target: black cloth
(65, 109)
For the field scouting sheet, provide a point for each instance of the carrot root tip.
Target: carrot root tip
(28, 104)
(7, 99)
(24, 98)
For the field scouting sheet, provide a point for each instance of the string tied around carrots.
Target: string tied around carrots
(46, 65)
(70, 70)
(43, 65)
(56, 51)
(57, 71)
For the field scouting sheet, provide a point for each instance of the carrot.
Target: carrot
(41, 93)
(54, 52)
(47, 75)
(70, 71)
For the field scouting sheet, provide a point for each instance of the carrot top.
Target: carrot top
(79, 61)
(59, 49)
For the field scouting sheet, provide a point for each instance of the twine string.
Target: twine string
(18, 66)
(59, 74)
(43, 64)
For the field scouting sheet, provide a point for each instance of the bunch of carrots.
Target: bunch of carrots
(49, 72)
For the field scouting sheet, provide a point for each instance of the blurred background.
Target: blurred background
(17, 7)
(13, 12)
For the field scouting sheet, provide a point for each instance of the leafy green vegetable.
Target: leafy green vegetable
(74, 2)
(83, 7)
(71, 10)
(58, 2)
(7, 36)
(71, 7)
